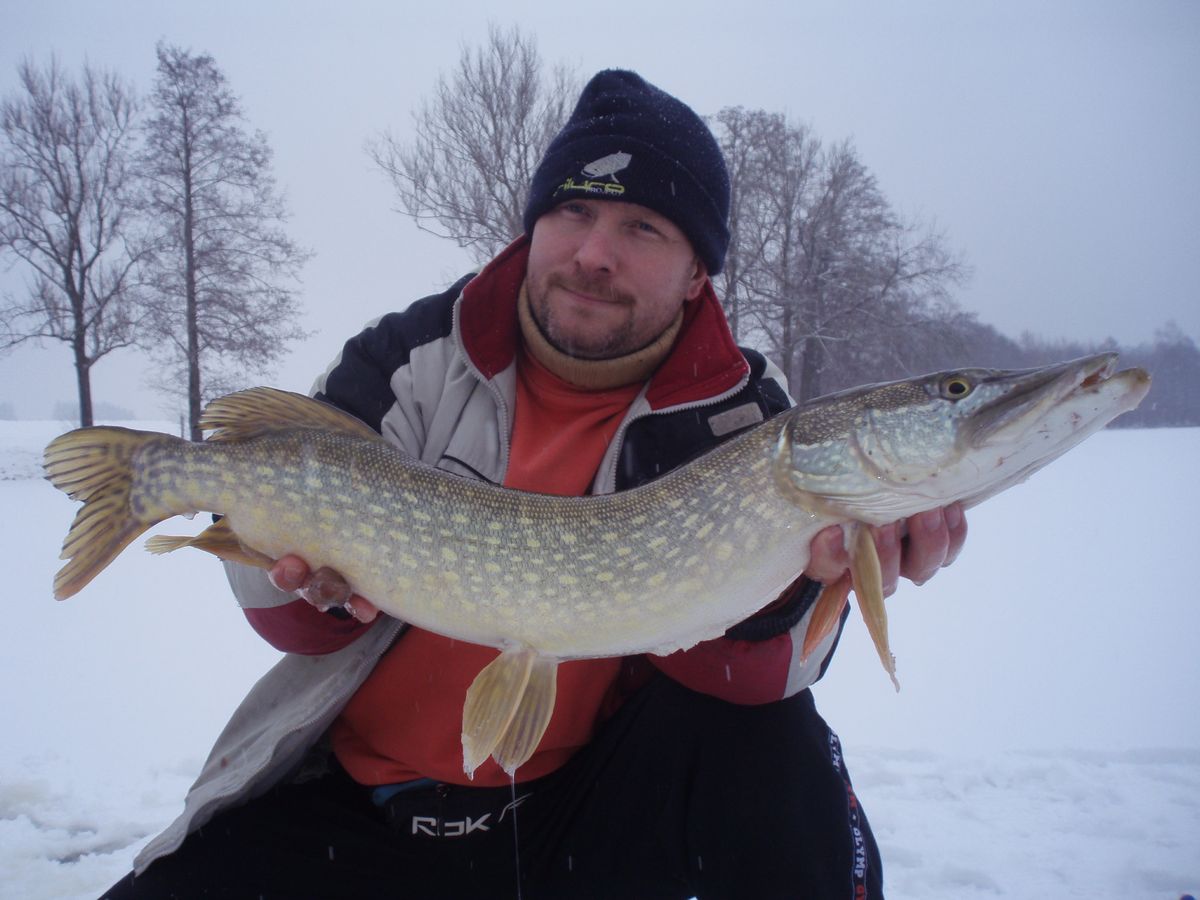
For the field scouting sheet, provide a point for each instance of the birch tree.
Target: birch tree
(225, 271)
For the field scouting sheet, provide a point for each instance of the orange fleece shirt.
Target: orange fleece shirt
(405, 722)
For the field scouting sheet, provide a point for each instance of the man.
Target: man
(591, 355)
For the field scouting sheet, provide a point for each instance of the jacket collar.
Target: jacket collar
(705, 361)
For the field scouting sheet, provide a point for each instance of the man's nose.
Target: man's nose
(597, 250)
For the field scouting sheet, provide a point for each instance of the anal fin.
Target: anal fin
(533, 713)
(507, 709)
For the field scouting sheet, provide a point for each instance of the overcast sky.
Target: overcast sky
(1056, 143)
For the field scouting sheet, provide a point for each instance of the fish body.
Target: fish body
(545, 578)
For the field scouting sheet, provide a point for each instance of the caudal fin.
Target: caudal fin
(95, 465)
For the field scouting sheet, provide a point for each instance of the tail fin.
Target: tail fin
(95, 465)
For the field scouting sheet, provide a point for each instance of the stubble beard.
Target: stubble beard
(616, 342)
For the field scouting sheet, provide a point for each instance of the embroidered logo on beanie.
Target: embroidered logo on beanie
(608, 165)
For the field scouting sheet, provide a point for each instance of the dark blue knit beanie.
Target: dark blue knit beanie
(628, 140)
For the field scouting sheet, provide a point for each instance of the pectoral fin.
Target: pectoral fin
(507, 710)
(219, 539)
(825, 615)
(868, 587)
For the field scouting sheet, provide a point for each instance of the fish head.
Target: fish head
(885, 452)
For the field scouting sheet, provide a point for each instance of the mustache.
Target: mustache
(600, 288)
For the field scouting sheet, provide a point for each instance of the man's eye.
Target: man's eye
(645, 228)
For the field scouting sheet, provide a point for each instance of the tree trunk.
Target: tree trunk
(83, 380)
(190, 304)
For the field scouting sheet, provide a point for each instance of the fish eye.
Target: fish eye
(955, 387)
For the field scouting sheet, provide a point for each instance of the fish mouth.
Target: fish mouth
(1040, 414)
(1027, 398)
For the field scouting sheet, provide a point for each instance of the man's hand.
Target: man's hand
(325, 588)
(914, 548)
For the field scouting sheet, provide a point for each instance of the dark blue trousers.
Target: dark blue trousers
(680, 795)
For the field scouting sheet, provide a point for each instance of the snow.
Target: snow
(1045, 741)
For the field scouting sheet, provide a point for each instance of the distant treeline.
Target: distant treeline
(1172, 358)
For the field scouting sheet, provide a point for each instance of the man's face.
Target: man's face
(605, 278)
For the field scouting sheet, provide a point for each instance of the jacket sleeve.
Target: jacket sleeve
(758, 660)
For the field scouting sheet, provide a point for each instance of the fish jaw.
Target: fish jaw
(887, 452)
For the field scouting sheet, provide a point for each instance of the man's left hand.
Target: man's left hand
(914, 548)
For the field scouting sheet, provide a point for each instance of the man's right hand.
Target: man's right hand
(325, 588)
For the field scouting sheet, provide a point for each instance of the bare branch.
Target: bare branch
(477, 142)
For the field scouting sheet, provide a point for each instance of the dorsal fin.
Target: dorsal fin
(259, 410)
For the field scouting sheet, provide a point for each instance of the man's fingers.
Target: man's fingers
(361, 608)
(289, 573)
(913, 549)
(927, 547)
(828, 558)
(325, 589)
(934, 540)
(956, 523)
(888, 549)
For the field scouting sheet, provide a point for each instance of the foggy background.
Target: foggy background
(1055, 144)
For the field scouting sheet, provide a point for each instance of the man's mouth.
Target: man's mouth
(590, 293)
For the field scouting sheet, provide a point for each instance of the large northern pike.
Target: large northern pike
(546, 578)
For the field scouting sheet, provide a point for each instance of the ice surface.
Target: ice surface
(1045, 742)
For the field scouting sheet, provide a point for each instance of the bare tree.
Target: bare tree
(828, 276)
(742, 135)
(466, 173)
(65, 214)
(223, 262)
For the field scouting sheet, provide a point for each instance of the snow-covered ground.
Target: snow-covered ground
(1046, 742)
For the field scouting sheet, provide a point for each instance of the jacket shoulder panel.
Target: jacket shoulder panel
(359, 381)
(656, 443)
